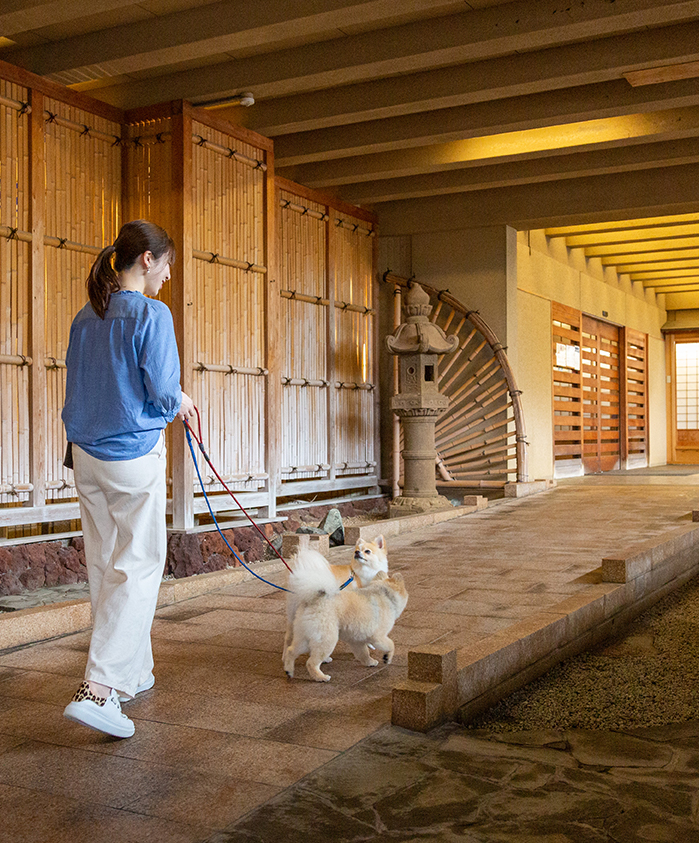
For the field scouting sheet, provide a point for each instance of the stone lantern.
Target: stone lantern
(419, 343)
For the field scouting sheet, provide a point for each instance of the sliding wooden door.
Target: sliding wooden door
(600, 389)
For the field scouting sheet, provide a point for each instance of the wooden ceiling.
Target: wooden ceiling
(550, 114)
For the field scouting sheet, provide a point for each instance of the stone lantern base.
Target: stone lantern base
(417, 506)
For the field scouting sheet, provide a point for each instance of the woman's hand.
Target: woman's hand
(186, 410)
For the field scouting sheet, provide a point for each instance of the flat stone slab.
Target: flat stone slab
(610, 749)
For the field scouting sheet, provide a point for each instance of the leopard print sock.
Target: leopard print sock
(84, 693)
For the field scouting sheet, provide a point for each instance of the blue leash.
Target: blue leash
(211, 512)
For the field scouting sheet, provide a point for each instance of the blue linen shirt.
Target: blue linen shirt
(123, 383)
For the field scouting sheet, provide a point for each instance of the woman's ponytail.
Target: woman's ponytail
(102, 281)
(135, 238)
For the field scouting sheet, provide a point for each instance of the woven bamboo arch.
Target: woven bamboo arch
(481, 439)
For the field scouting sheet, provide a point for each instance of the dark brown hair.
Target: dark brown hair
(135, 238)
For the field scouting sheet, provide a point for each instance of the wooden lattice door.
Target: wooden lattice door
(601, 370)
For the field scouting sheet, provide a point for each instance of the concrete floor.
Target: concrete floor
(226, 748)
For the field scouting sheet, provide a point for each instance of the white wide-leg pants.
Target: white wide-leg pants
(122, 507)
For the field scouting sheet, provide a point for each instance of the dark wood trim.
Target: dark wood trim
(54, 90)
(220, 124)
(326, 199)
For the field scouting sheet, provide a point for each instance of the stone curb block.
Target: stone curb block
(499, 664)
(640, 558)
(28, 626)
(404, 524)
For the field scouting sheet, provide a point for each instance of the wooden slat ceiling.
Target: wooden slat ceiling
(580, 117)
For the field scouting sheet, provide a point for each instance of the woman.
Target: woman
(122, 389)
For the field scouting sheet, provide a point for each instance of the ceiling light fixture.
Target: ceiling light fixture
(246, 99)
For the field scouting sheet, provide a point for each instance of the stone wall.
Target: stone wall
(26, 567)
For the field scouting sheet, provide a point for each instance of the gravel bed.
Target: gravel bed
(647, 677)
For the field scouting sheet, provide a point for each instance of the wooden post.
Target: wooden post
(333, 392)
(182, 308)
(273, 361)
(376, 351)
(37, 341)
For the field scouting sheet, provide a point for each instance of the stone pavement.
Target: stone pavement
(226, 748)
(529, 787)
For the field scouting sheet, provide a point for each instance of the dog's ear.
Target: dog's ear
(381, 542)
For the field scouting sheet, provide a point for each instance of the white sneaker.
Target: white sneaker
(104, 715)
(144, 686)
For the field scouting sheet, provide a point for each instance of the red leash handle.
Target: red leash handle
(199, 440)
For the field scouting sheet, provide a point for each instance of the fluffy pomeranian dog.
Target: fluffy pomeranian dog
(324, 614)
(369, 558)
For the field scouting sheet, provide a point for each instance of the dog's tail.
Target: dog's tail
(311, 576)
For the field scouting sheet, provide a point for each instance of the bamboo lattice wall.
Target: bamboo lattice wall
(284, 383)
(82, 215)
(328, 325)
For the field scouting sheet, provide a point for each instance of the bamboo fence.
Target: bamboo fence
(328, 325)
(480, 440)
(272, 296)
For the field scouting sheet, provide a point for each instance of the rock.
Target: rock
(609, 749)
(10, 584)
(333, 526)
(69, 559)
(311, 531)
(184, 555)
(33, 578)
(7, 561)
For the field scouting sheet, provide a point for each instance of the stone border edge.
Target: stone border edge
(443, 681)
(31, 626)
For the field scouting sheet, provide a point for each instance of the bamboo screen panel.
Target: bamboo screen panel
(228, 240)
(83, 197)
(14, 296)
(353, 251)
(148, 176)
(636, 398)
(304, 324)
(567, 391)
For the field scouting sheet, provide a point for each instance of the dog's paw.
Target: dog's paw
(322, 678)
(289, 674)
(371, 663)
(328, 660)
(387, 658)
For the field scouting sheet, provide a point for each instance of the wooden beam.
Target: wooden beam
(667, 190)
(576, 139)
(524, 74)
(578, 106)
(525, 169)
(468, 36)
